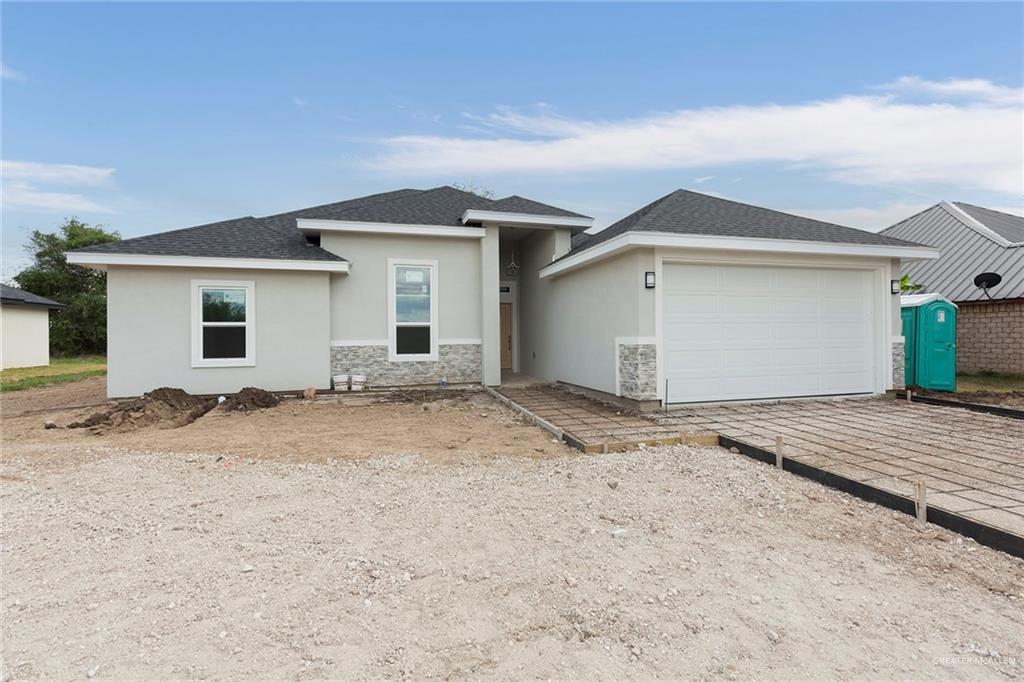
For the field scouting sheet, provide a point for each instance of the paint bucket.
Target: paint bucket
(358, 382)
(340, 382)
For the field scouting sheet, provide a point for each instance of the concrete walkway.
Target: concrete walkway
(972, 463)
(597, 426)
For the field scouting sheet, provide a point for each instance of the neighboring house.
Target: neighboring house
(974, 240)
(714, 299)
(24, 328)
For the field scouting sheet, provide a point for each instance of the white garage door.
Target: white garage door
(737, 332)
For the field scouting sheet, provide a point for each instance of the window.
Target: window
(223, 328)
(412, 310)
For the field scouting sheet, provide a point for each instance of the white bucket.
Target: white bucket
(358, 382)
(340, 382)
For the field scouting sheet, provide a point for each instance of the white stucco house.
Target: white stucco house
(24, 328)
(691, 298)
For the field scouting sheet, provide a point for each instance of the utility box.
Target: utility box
(929, 334)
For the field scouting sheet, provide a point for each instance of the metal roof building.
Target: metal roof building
(972, 240)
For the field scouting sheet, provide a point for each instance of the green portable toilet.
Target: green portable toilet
(929, 333)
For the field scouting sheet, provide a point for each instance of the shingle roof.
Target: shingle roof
(686, 212)
(238, 238)
(15, 296)
(965, 252)
(438, 206)
(276, 236)
(1009, 227)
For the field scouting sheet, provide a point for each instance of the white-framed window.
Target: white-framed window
(223, 323)
(412, 310)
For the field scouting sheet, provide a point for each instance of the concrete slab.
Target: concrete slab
(972, 463)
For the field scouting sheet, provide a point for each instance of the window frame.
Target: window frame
(196, 290)
(393, 324)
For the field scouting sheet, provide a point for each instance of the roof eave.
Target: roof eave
(577, 224)
(31, 304)
(632, 240)
(100, 261)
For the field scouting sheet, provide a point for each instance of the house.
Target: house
(691, 298)
(24, 328)
(974, 240)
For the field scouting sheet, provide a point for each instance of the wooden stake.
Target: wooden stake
(921, 502)
(778, 451)
(909, 392)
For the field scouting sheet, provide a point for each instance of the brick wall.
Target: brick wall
(990, 336)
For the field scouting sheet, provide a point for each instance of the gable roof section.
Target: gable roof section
(967, 251)
(277, 236)
(15, 296)
(692, 213)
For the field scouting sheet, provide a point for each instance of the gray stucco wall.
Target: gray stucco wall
(359, 300)
(149, 331)
(571, 323)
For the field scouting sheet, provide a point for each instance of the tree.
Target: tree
(81, 326)
(474, 189)
(908, 287)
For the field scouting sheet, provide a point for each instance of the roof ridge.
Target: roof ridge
(986, 208)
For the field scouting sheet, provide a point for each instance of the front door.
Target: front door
(506, 336)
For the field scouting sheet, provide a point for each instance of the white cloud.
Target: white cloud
(22, 180)
(703, 179)
(956, 88)
(299, 101)
(26, 196)
(7, 73)
(873, 218)
(57, 173)
(855, 139)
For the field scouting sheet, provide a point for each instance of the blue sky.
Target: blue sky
(145, 117)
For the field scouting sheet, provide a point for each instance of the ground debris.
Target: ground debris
(166, 408)
(250, 398)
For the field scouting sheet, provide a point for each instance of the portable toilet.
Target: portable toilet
(929, 333)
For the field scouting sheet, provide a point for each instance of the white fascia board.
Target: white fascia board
(100, 261)
(973, 223)
(631, 240)
(525, 219)
(311, 225)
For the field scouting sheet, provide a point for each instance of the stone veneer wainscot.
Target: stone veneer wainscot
(638, 371)
(460, 363)
(899, 373)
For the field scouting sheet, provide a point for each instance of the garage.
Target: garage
(737, 332)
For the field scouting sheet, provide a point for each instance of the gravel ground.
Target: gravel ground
(666, 563)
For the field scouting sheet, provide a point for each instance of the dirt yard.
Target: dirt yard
(316, 540)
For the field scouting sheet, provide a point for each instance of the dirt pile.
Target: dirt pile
(250, 398)
(166, 408)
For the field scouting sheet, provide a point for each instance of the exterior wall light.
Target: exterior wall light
(894, 286)
(648, 280)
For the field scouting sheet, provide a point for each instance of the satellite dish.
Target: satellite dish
(986, 281)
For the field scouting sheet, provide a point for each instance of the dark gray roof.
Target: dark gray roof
(15, 296)
(686, 212)
(1009, 227)
(239, 238)
(276, 236)
(965, 252)
(438, 206)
